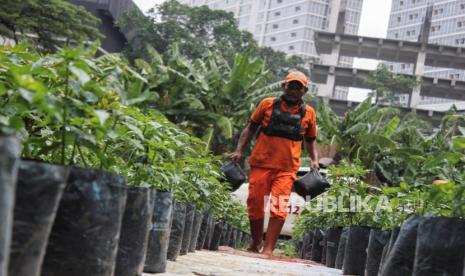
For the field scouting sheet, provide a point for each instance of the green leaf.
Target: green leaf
(458, 143)
(82, 76)
(225, 126)
(102, 116)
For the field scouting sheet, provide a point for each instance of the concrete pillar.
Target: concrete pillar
(418, 71)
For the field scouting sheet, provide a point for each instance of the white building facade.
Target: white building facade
(447, 28)
(289, 25)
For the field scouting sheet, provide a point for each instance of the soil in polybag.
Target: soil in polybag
(39, 189)
(85, 234)
(135, 230)
(400, 258)
(195, 230)
(440, 247)
(341, 248)
(188, 225)
(215, 242)
(317, 248)
(378, 239)
(159, 235)
(203, 231)
(355, 252)
(332, 242)
(9, 162)
(178, 221)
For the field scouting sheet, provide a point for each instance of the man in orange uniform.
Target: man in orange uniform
(284, 123)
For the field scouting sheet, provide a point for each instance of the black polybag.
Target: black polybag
(317, 247)
(378, 239)
(341, 248)
(440, 247)
(355, 252)
(234, 174)
(400, 258)
(311, 184)
(332, 243)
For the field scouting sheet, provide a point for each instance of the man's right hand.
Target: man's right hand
(235, 156)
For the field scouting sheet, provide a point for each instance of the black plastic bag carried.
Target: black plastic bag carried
(234, 174)
(311, 184)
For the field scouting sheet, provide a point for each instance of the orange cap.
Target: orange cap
(297, 76)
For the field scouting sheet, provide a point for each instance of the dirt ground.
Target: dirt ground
(228, 261)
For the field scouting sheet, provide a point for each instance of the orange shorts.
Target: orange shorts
(262, 182)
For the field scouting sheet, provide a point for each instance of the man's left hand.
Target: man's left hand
(315, 164)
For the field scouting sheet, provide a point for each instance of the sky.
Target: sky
(373, 22)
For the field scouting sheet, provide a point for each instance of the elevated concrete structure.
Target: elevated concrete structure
(109, 11)
(390, 49)
(351, 77)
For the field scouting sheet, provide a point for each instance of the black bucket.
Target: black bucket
(306, 251)
(9, 162)
(215, 242)
(203, 231)
(159, 236)
(400, 258)
(211, 228)
(188, 225)
(440, 247)
(177, 230)
(317, 248)
(355, 252)
(39, 189)
(85, 234)
(341, 248)
(388, 246)
(135, 229)
(378, 239)
(332, 242)
(195, 230)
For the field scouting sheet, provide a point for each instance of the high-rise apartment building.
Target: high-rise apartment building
(289, 25)
(447, 28)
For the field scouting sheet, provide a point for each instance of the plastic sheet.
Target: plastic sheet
(203, 231)
(400, 258)
(177, 230)
(355, 252)
(440, 247)
(39, 189)
(332, 242)
(85, 234)
(159, 236)
(195, 230)
(186, 237)
(135, 231)
(378, 239)
(215, 241)
(9, 163)
(341, 248)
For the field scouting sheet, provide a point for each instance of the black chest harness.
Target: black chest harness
(285, 124)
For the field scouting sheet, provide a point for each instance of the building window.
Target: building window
(460, 24)
(435, 28)
(462, 6)
(399, 19)
(277, 13)
(297, 8)
(408, 33)
(396, 35)
(295, 21)
(460, 41)
(273, 38)
(279, 1)
(402, 66)
(401, 3)
(438, 11)
(291, 47)
(293, 34)
(275, 26)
